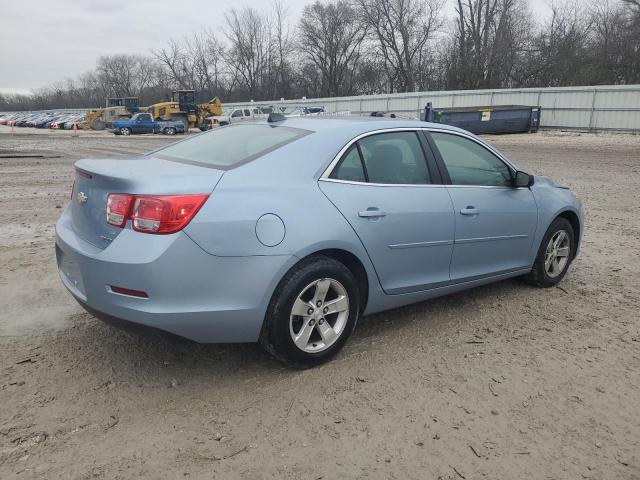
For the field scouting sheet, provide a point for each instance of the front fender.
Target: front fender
(552, 202)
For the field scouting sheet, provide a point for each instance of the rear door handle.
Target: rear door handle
(470, 211)
(372, 212)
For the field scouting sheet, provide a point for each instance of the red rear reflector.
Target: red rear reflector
(160, 214)
(128, 291)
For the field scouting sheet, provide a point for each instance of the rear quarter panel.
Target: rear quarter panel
(282, 183)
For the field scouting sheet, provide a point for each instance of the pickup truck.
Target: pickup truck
(237, 115)
(144, 123)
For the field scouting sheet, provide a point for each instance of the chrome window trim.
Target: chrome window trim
(371, 184)
(326, 175)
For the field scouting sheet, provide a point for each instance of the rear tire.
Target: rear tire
(170, 131)
(555, 254)
(312, 313)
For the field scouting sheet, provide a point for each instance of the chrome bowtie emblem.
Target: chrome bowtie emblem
(82, 198)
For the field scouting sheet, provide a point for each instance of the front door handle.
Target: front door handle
(470, 211)
(372, 212)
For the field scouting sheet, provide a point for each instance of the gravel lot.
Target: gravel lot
(503, 381)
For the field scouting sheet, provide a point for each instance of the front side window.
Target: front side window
(229, 146)
(236, 113)
(469, 163)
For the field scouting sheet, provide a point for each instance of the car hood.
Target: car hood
(548, 182)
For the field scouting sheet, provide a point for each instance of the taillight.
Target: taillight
(160, 214)
(118, 208)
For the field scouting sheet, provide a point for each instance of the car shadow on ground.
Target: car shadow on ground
(103, 346)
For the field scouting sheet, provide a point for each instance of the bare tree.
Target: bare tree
(489, 37)
(615, 41)
(401, 30)
(124, 75)
(283, 48)
(330, 37)
(173, 59)
(347, 47)
(250, 55)
(559, 54)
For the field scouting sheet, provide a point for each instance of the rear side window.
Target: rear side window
(350, 167)
(469, 163)
(229, 146)
(394, 158)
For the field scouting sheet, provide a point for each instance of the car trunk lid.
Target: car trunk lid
(96, 179)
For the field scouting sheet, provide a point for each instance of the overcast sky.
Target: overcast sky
(44, 41)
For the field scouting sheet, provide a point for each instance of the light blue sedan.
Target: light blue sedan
(287, 231)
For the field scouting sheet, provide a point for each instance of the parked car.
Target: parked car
(64, 122)
(77, 120)
(287, 231)
(25, 119)
(44, 121)
(302, 111)
(144, 123)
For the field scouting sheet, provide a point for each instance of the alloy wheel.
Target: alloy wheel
(557, 253)
(319, 315)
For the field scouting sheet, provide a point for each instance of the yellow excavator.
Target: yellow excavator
(183, 108)
(115, 109)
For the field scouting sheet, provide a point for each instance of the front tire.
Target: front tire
(183, 119)
(554, 255)
(312, 313)
(170, 131)
(98, 125)
(125, 131)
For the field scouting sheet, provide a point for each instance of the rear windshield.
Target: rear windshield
(229, 146)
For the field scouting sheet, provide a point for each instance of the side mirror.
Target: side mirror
(523, 180)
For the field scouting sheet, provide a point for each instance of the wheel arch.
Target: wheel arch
(353, 263)
(348, 258)
(574, 220)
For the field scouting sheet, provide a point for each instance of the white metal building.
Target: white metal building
(598, 108)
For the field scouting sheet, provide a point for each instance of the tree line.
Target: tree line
(355, 47)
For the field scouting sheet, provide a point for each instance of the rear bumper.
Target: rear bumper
(191, 293)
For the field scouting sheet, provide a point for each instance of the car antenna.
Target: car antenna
(276, 117)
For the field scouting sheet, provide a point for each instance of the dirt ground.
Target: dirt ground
(500, 382)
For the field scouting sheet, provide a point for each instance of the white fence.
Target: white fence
(599, 108)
